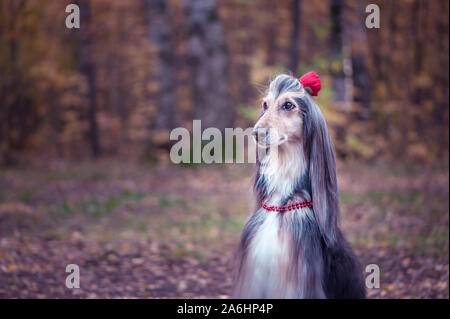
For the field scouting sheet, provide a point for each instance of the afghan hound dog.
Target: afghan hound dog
(291, 246)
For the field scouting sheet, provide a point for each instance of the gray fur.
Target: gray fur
(318, 262)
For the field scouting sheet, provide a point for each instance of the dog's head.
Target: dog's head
(290, 118)
(281, 117)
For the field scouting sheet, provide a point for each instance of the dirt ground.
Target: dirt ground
(143, 231)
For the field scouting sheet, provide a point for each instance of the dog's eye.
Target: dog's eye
(265, 106)
(288, 106)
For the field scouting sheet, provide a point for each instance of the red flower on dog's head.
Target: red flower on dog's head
(312, 81)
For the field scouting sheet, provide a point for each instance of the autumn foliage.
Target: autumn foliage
(129, 74)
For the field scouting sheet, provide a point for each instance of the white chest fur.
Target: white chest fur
(281, 171)
(269, 254)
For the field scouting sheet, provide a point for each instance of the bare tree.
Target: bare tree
(209, 64)
(160, 34)
(270, 31)
(88, 68)
(18, 115)
(341, 69)
(294, 52)
(361, 78)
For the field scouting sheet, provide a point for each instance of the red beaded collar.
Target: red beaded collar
(293, 206)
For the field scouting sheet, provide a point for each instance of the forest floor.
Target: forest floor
(141, 231)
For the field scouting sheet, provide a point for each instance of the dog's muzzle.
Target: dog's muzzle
(260, 134)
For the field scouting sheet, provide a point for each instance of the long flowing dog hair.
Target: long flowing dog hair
(300, 253)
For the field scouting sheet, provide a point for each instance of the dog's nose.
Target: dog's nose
(259, 132)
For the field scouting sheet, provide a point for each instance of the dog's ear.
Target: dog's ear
(322, 173)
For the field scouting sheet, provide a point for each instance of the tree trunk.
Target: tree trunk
(209, 64)
(88, 68)
(341, 70)
(418, 48)
(243, 40)
(270, 30)
(160, 35)
(440, 92)
(361, 77)
(294, 52)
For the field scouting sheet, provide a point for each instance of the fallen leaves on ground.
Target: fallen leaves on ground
(170, 232)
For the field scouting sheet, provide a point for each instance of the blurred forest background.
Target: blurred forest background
(136, 69)
(85, 116)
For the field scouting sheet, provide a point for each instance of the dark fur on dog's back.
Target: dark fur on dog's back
(300, 253)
